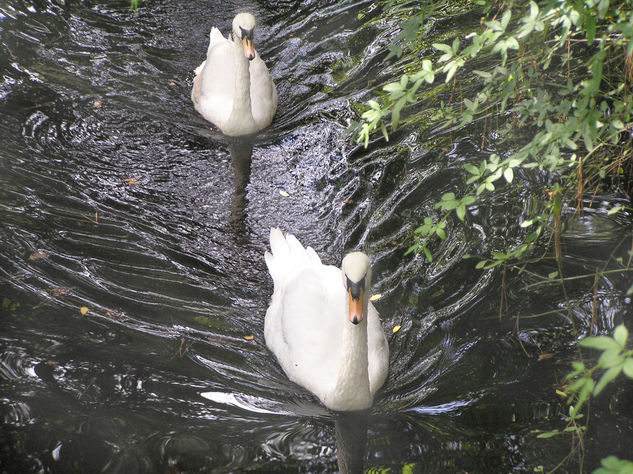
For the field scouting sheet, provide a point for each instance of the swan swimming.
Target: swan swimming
(322, 328)
(232, 88)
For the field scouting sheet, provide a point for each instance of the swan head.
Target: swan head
(243, 32)
(356, 271)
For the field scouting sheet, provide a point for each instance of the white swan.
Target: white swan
(232, 88)
(321, 326)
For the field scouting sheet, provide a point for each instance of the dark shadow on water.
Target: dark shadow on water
(351, 440)
(241, 150)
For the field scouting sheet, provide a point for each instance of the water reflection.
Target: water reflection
(351, 441)
(350, 428)
(241, 150)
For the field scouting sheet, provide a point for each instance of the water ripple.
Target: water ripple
(116, 198)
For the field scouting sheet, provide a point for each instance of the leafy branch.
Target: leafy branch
(580, 126)
(614, 360)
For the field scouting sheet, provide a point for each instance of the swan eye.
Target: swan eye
(248, 34)
(355, 288)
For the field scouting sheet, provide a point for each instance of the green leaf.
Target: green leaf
(584, 394)
(427, 71)
(602, 343)
(617, 124)
(484, 74)
(571, 429)
(505, 19)
(394, 50)
(620, 335)
(534, 235)
(593, 84)
(610, 462)
(578, 366)
(455, 46)
(578, 384)
(461, 212)
(395, 115)
(471, 169)
(452, 69)
(590, 26)
(443, 47)
(508, 174)
(533, 10)
(393, 87)
(607, 377)
(613, 465)
(627, 367)
(427, 254)
(610, 358)
(614, 210)
(413, 248)
(384, 131)
(548, 434)
(603, 6)
(469, 199)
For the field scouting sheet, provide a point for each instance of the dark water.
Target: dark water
(115, 196)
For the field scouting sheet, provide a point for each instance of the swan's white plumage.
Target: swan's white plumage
(308, 329)
(233, 93)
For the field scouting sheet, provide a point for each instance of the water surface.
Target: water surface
(117, 197)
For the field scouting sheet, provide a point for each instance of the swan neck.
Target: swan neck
(352, 384)
(242, 98)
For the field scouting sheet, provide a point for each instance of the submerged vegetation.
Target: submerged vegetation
(556, 77)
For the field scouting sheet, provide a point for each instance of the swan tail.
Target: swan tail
(215, 36)
(287, 255)
(313, 256)
(296, 249)
(278, 245)
(270, 263)
(198, 70)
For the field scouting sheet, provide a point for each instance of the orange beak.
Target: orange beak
(249, 48)
(356, 311)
